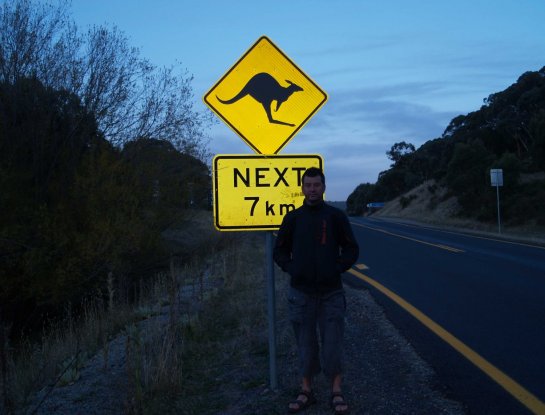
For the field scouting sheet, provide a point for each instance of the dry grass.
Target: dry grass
(56, 358)
(429, 203)
(193, 326)
(425, 201)
(229, 329)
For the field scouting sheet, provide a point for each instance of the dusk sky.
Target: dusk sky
(394, 70)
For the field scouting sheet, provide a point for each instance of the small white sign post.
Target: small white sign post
(496, 179)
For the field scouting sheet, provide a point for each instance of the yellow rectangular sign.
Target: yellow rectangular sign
(254, 192)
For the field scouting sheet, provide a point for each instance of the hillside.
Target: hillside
(507, 132)
(431, 204)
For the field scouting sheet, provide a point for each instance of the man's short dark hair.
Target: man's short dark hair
(313, 172)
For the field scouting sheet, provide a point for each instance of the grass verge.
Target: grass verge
(227, 345)
(196, 338)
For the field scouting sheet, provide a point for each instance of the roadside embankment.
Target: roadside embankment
(221, 360)
(431, 205)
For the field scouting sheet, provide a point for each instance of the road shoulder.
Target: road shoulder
(383, 373)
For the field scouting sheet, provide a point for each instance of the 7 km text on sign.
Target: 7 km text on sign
(254, 192)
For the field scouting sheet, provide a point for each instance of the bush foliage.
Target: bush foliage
(74, 207)
(507, 132)
(100, 152)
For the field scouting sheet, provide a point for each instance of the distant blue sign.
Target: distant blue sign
(375, 204)
(496, 177)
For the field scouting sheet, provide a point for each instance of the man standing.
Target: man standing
(315, 245)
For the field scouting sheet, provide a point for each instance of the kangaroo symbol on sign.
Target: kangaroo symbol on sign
(265, 89)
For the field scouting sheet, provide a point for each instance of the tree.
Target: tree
(73, 208)
(129, 96)
(44, 136)
(34, 40)
(390, 184)
(467, 176)
(358, 199)
(537, 132)
(399, 151)
(172, 180)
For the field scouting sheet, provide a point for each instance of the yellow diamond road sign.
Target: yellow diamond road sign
(254, 192)
(265, 98)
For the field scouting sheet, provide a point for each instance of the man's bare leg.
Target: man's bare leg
(336, 388)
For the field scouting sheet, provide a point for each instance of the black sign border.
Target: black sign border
(243, 156)
(296, 130)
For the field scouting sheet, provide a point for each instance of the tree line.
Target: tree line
(100, 152)
(507, 132)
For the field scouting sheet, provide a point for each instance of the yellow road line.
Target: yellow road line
(532, 402)
(445, 247)
(469, 235)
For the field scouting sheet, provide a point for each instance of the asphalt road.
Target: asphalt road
(473, 307)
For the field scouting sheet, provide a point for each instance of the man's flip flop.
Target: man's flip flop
(335, 404)
(302, 405)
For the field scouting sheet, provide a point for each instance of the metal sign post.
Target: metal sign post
(498, 204)
(496, 179)
(271, 310)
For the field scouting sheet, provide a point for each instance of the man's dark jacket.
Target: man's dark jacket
(315, 245)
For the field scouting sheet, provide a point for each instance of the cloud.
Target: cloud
(355, 47)
(381, 113)
(357, 126)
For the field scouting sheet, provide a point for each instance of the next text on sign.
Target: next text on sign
(263, 176)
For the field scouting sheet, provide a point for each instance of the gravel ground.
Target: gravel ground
(97, 391)
(383, 373)
(102, 386)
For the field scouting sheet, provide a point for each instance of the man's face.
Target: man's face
(313, 189)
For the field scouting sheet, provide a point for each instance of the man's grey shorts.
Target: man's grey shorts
(326, 313)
